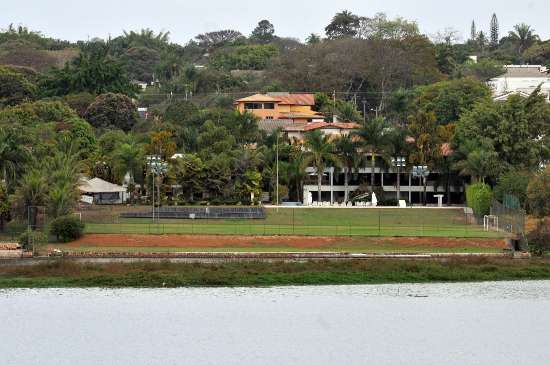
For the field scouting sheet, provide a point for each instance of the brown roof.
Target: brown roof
(258, 98)
(320, 125)
(296, 99)
(281, 98)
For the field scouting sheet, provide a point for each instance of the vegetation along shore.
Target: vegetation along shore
(66, 274)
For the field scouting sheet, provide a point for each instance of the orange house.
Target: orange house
(281, 106)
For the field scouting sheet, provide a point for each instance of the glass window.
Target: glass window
(269, 105)
(252, 106)
(268, 117)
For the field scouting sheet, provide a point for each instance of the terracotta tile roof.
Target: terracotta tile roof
(296, 99)
(320, 125)
(302, 115)
(258, 98)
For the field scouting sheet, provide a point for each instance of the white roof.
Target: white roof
(97, 185)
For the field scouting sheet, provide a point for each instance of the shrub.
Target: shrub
(479, 197)
(513, 183)
(539, 239)
(28, 238)
(67, 228)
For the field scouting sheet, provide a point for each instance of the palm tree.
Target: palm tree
(297, 171)
(523, 36)
(399, 148)
(13, 154)
(128, 158)
(320, 153)
(32, 192)
(350, 157)
(374, 136)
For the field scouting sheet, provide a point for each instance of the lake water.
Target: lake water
(485, 323)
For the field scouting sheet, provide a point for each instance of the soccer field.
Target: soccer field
(428, 222)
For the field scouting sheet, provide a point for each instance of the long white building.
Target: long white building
(521, 79)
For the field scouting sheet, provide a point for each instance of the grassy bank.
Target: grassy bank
(68, 274)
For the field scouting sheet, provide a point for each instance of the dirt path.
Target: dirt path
(208, 241)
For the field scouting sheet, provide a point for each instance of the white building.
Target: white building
(521, 79)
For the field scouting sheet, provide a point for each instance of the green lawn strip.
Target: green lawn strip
(272, 230)
(68, 274)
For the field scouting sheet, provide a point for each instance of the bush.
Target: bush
(28, 238)
(539, 239)
(479, 197)
(67, 228)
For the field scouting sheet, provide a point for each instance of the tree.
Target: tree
(15, 88)
(93, 71)
(481, 162)
(374, 136)
(189, 173)
(31, 192)
(251, 57)
(449, 99)
(320, 153)
(343, 24)
(516, 128)
(424, 129)
(214, 40)
(494, 31)
(313, 39)
(513, 182)
(350, 159)
(14, 153)
(538, 194)
(5, 206)
(297, 171)
(523, 37)
(141, 63)
(473, 31)
(112, 111)
(162, 144)
(264, 32)
(128, 159)
(380, 27)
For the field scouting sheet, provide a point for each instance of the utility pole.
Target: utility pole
(364, 110)
(277, 187)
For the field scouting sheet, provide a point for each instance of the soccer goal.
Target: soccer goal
(490, 223)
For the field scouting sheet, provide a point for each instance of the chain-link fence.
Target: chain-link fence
(386, 222)
(509, 218)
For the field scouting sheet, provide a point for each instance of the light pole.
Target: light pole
(399, 162)
(422, 172)
(364, 110)
(157, 168)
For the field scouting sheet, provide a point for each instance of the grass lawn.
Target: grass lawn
(308, 222)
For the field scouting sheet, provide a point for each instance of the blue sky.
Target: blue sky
(78, 20)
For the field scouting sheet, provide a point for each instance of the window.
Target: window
(269, 105)
(268, 117)
(252, 106)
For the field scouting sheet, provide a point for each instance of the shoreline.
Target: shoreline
(71, 274)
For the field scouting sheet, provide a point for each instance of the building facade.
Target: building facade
(295, 108)
(522, 80)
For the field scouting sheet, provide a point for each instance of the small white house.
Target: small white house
(98, 191)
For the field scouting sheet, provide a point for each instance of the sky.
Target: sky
(81, 20)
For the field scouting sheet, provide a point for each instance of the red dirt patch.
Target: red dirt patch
(209, 241)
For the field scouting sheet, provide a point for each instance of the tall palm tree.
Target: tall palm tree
(399, 148)
(523, 36)
(128, 158)
(347, 149)
(374, 136)
(297, 171)
(320, 153)
(31, 192)
(13, 154)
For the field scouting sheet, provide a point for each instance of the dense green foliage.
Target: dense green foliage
(479, 197)
(67, 228)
